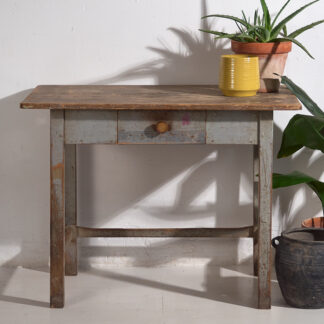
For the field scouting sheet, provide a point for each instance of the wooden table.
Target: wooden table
(93, 114)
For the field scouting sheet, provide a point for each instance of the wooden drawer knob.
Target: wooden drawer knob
(161, 127)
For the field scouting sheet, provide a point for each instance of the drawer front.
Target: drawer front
(161, 127)
(90, 127)
(232, 127)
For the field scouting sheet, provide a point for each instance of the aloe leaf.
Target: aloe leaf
(301, 30)
(262, 33)
(254, 32)
(266, 15)
(309, 104)
(213, 32)
(246, 38)
(285, 32)
(276, 30)
(239, 27)
(255, 17)
(244, 17)
(293, 40)
(229, 36)
(302, 131)
(279, 13)
(239, 20)
(295, 178)
(267, 35)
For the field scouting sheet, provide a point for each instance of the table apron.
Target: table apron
(138, 127)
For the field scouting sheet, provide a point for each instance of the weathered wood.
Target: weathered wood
(136, 127)
(57, 219)
(90, 127)
(232, 127)
(71, 263)
(265, 208)
(255, 207)
(166, 232)
(168, 97)
(85, 123)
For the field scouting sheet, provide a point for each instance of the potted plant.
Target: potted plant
(300, 252)
(267, 38)
(302, 131)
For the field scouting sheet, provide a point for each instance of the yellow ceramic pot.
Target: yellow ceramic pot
(239, 75)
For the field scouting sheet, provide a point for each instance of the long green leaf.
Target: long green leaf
(276, 30)
(279, 13)
(310, 105)
(301, 30)
(266, 14)
(285, 32)
(239, 27)
(214, 32)
(237, 37)
(295, 178)
(255, 17)
(293, 40)
(244, 17)
(239, 20)
(302, 131)
(246, 38)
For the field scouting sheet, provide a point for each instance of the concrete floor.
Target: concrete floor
(145, 295)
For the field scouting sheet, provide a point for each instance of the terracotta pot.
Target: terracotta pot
(272, 59)
(316, 222)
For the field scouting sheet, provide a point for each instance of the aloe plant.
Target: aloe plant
(262, 28)
(301, 131)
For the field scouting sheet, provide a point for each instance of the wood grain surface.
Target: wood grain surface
(142, 97)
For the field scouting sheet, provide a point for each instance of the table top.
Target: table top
(146, 97)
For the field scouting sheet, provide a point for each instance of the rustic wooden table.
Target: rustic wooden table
(154, 115)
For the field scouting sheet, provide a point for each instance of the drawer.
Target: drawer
(232, 127)
(90, 127)
(161, 127)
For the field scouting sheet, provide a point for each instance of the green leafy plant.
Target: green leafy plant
(264, 29)
(301, 131)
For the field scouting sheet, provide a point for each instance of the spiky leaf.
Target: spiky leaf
(239, 20)
(293, 40)
(276, 30)
(309, 104)
(301, 30)
(279, 13)
(266, 14)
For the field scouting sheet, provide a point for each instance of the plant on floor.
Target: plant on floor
(301, 131)
(264, 29)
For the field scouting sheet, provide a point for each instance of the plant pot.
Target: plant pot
(316, 222)
(272, 59)
(299, 266)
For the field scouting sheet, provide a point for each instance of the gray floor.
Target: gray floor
(145, 295)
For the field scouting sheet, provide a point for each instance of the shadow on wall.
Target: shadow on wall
(195, 63)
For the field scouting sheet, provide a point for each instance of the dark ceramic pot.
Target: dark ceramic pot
(300, 266)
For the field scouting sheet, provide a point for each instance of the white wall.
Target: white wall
(134, 42)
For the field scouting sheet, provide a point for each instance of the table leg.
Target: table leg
(255, 207)
(265, 208)
(71, 263)
(57, 210)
